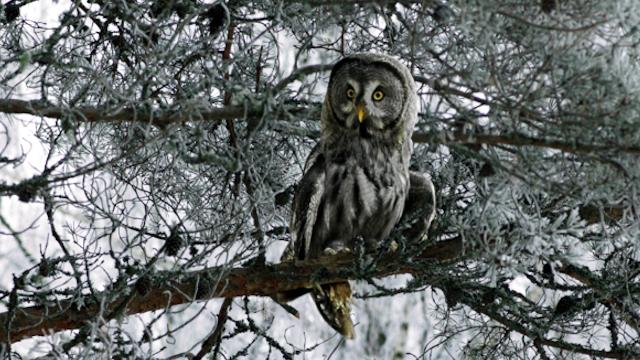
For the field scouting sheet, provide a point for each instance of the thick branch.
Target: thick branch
(207, 284)
(253, 280)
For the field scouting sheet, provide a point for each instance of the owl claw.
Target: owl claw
(329, 252)
(333, 250)
(393, 246)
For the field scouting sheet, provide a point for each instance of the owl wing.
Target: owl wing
(305, 208)
(306, 203)
(332, 300)
(420, 206)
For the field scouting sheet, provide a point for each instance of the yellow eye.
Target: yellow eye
(351, 93)
(378, 95)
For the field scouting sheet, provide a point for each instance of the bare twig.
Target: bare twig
(300, 73)
(216, 335)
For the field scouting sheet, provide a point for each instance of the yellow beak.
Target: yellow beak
(360, 111)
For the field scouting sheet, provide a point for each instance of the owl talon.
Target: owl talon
(329, 252)
(335, 250)
(393, 246)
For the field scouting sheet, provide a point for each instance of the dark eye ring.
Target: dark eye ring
(377, 95)
(351, 93)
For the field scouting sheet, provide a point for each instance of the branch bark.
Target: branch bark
(206, 284)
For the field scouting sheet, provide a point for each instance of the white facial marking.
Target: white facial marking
(347, 107)
(370, 88)
(354, 85)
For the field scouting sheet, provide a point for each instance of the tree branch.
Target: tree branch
(559, 344)
(207, 284)
(521, 140)
(300, 73)
(585, 276)
(257, 281)
(94, 114)
(214, 338)
(158, 118)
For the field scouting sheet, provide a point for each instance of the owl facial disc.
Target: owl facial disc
(367, 98)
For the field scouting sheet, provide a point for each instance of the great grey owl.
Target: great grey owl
(357, 178)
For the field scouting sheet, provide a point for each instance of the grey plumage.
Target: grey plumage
(356, 179)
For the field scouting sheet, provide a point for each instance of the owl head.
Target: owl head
(371, 96)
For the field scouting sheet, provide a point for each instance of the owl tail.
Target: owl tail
(334, 303)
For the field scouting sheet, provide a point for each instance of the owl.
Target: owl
(356, 180)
